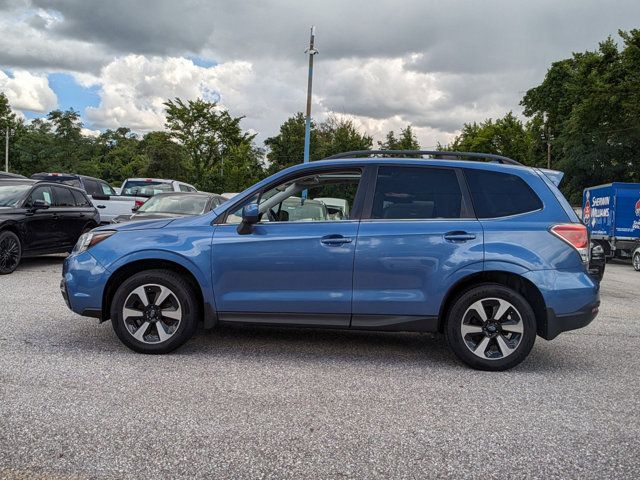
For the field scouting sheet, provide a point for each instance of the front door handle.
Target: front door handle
(459, 236)
(101, 206)
(335, 240)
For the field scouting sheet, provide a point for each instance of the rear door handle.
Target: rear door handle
(335, 240)
(459, 236)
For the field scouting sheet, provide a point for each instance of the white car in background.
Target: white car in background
(148, 187)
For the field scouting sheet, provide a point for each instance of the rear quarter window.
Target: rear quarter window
(498, 194)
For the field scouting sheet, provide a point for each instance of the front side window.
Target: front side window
(497, 194)
(414, 193)
(106, 189)
(41, 193)
(320, 197)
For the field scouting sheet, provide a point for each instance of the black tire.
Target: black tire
(491, 297)
(10, 252)
(183, 297)
(636, 261)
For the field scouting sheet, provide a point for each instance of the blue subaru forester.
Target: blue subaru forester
(488, 253)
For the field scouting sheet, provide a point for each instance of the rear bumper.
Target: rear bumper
(556, 324)
(571, 298)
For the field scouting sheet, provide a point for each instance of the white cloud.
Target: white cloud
(133, 88)
(28, 91)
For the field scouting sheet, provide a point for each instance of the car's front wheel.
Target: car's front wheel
(491, 327)
(154, 311)
(10, 252)
(636, 261)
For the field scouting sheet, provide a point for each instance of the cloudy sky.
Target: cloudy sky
(433, 64)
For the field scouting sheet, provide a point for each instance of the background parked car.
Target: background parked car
(103, 196)
(636, 258)
(10, 175)
(172, 205)
(148, 187)
(39, 218)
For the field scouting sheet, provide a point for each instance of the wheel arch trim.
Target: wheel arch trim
(157, 259)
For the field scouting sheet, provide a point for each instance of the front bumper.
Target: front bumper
(82, 284)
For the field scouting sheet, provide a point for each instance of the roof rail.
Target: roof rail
(460, 155)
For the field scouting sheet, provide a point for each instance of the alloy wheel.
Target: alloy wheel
(9, 253)
(492, 328)
(152, 313)
(636, 261)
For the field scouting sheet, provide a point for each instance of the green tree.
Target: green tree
(208, 134)
(336, 135)
(506, 136)
(166, 158)
(332, 136)
(591, 106)
(287, 148)
(407, 140)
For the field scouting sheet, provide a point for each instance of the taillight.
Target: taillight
(139, 203)
(575, 234)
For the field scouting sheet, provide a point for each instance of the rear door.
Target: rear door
(420, 237)
(71, 217)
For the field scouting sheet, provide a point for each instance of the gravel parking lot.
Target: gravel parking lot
(282, 403)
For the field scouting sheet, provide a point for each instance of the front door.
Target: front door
(42, 227)
(419, 239)
(296, 265)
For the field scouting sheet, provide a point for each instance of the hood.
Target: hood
(142, 225)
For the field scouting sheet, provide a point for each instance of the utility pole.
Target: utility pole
(307, 127)
(547, 137)
(6, 151)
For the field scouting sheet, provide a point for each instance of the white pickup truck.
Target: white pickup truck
(102, 195)
(148, 187)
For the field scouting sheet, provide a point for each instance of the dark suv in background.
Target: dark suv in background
(38, 218)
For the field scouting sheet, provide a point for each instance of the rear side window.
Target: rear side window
(63, 197)
(497, 194)
(80, 199)
(416, 193)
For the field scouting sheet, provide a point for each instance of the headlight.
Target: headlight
(88, 240)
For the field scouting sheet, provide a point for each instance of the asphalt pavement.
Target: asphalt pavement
(279, 403)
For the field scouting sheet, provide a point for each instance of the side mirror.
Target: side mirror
(100, 197)
(250, 216)
(40, 205)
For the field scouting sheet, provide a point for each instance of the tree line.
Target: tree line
(586, 112)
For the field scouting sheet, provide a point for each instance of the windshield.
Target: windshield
(143, 188)
(11, 194)
(175, 204)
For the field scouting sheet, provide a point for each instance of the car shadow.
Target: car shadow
(42, 261)
(309, 345)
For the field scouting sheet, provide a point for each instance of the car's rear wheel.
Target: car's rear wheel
(154, 311)
(636, 261)
(10, 252)
(491, 327)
